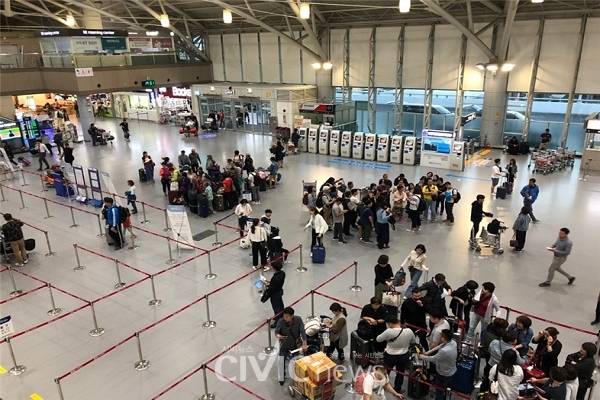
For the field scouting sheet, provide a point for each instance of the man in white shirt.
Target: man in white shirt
(243, 211)
(439, 324)
(397, 353)
(42, 151)
(496, 174)
(377, 383)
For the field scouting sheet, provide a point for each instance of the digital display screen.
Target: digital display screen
(334, 136)
(370, 139)
(382, 141)
(345, 137)
(437, 145)
(410, 143)
(396, 142)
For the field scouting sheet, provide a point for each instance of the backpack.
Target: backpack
(422, 206)
(319, 201)
(305, 198)
(364, 330)
(458, 197)
(123, 214)
(359, 383)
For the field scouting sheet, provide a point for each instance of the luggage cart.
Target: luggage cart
(489, 240)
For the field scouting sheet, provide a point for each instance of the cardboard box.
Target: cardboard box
(312, 390)
(301, 371)
(321, 371)
(338, 381)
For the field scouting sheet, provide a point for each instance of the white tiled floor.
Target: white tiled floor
(180, 344)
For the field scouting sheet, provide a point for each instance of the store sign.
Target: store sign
(86, 45)
(317, 108)
(81, 72)
(181, 92)
(81, 32)
(114, 44)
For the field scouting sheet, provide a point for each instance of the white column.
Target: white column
(494, 107)
(86, 116)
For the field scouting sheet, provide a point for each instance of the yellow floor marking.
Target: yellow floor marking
(2, 370)
(36, 396)
(478, 156)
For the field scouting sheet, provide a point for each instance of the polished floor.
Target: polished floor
(177, 345)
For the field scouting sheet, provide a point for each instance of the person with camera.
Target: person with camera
(548, 349)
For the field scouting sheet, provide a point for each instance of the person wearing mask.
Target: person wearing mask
(338, 331)
(444, 356)
(415, 261)
(114, 222)
(413, 314)
(275, 288)
(554, 387)
(561, 249)
(477, 215)
(530, 193)
(548, 349)
(437, 289)
(383, 276)
(520, 228)
(42, 151)
(430, 193)
(292, 335)
(412, 209)
(485, 307)
(67, 153)
(508, 375)
(496, 174)
(462, 300)
(318, 227)
(377, 382)
(337, 212)
(258, 237)
(583, 361)
(572, 382)
(522, 327)
(398, 341)
(367, 221)
(243, 211)
(498, 347)
(13, 235)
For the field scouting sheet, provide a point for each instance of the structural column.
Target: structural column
(494, 107)
(346, 91)
(428, 81)
(399, 92)
(372, 89)
(86, 115)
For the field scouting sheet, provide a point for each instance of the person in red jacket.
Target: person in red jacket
(230, 193)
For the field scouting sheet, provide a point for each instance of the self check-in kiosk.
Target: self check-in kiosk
(303, 142)
(383, 148)
(396, 149)
(324, 141)
(346, 144)
(334, 142)
(410, 151)
(313, 143)
(457, 158)
(358, 145)
(370, 146)
(436, 148)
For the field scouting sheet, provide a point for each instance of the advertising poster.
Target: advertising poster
(86, 45)
(9, 128)
(114, 44)
(165, 44)
(138, 45)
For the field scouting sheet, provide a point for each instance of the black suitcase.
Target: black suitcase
(262, 185)
(524, 148)
(363, 349)
(501, 192)
(463, 380)
(219, 202)
(276, 258)
(142, 175)
(203, 209)
(416, 388)
(509, 187)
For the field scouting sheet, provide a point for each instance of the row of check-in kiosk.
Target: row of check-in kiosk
(436, 149)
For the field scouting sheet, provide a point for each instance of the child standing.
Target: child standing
(131, 197)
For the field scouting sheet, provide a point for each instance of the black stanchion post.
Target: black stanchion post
(59, 388)
(350, 385)
(312, 305)
(154, 302)
(145, 221)
(96, 331)
(101, 234)
(54, 310)
(15, 291)
(301, 268)
(16, 369)
(448, 393)
(508, 313)
(43, 183)
(50, 253)
(209, 324)
(142, 364)
(2, 194)
(355, 287)
(119, 283)
(79, 267)
(216, 243)
(23, 177)
(74, 224)
(206, 395)
(23, 206)
(269, 351)
(47, 211)
(171, 260)
(210, 276)
(167, 228)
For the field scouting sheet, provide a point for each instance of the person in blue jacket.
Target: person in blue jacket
(113, 221)
(530, 193)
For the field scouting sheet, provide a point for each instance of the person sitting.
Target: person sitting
(513, 146)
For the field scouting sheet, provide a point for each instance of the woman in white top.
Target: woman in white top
(572, 382)
(508, 375)
(258, 237)
(243, 211)
(376, 383)
(416, 265)
(412, 209)
(396, 353)
(319, 227)
(496, 174)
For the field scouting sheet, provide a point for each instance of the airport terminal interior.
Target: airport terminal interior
(372, 88)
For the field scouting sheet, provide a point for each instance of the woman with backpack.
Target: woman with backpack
(165, 177)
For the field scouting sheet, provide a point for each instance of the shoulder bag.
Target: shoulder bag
(494, 386)
(391, 297)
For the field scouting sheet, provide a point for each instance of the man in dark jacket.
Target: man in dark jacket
(435, 292)
(13, 235)
(290, 331)
(477, 215)
(413, 312)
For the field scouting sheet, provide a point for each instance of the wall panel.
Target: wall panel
(359, 57)
(308, 72)
(214, 43)
(557, 59)
(588, 81)
(337, 55)
(474, 76)
(231, 49)
(290, 57)
(446, 57)
(270, 57)
(250, 57)
(520, 53)
(415, 56)
(386, 52)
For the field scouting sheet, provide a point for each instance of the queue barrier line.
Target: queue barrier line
(550, 321)
(251, 393)
(113, 260)
(179, 264)
(224, 218)
(22, 294)
(176, 383)
(171, 239)
(61, 316)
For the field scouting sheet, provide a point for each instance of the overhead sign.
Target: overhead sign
(163, 43)
(148, 83)
(114, 44)
(81, 32)
(86, 45)
(6, 327)
(138, 45)
(80, 72)
(316, 108)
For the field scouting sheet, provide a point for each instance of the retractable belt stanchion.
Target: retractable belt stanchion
(47, 211)
(154, 302)
(79, 267)
(133, 245)
(119, 284)
(23, 177)
(50, 253)
(355, 287)
(209, 324)
(100, 227)
(210, 276)
(508, 313)
(171, 260)
(2, 194)
(216, 243)
(448, 393)
(206, 395)
(145, 220)
(142, 364)
(54, 310)
(74, 224)
(16, 369)
(15, 291)
(312, 305)
(59, 388)
(23, 206)
(269, 351)
(350, 385)
(43, 183)
(96, 331)
(167, 228)
(301, 268)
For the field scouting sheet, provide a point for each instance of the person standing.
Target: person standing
(477, 215)
(485, 306)
(367, 221)
(338, 331)
(93, 132)
(183, 159)
(113, 220)
(511, 170)
(148, 166)
(396, 352)
(243, 211)
(273, 168)
(318, 227)
(412, 314)
(508, 375)
(42, 151)
(194, 160)
(520, 228)
(583, 361)
(67, 153)
(596, 321)
(258, 237)
(436, 291)
(412, 209)
(383, 276)
(430, 193)
(337, 211)
(450, 196)
(561, 249)
(548, 348)
(444, 356)
(382, 226)
(296, 140)
(125, 127)
(207, 190)
(545, 139)
(275, 287)
(496, 174)
(462, 301)
(131, 196)
(530, 194)
(415, 261)
(221, 119)
(292, 335)
(13, 235)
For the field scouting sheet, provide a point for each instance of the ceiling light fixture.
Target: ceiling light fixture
(316, 65)
(537, 1)
(227, 16)
(70, 20)
(164, 20)
(404, 6)
(481, 66)
(304, 10)
(172, 33)
(327, 65)
(507, 67)
(492, 67)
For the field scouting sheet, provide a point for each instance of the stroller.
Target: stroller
(490, 237)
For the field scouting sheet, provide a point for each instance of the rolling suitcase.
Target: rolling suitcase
(262, 185)
(501, 192)
(464, 378)
(24, 161)
(219, 202)
(192, 198)
(360, 347)
(524, 148)
(508, 186)
(203, 209)
(416, 388)
(142, 175)
(173, 194)
(318, 254)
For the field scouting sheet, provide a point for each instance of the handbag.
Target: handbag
(391, 298)
(266, 295)
(400, 277)
(513, 242)
(494, 387)
(364, 330)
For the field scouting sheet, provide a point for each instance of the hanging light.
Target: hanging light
(70, 20)
(227, 17)
(316, 65)
(481, 66)
(507, 67)
(537, 1)
(404, 6)
(304, 10)
(164, 20)
(492, 67)
(327, 65)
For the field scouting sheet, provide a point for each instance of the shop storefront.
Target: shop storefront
(141, 106)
